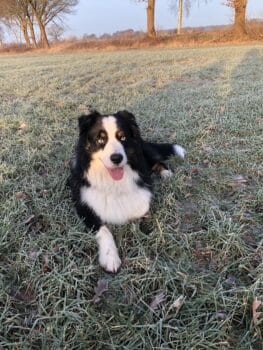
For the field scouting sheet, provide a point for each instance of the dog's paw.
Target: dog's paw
(180, 151)
(110, 260)
(166, 173)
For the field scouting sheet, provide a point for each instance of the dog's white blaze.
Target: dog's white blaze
(113, 145)
(115, 202)
(108, 252)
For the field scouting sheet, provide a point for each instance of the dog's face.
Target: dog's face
(109, 140)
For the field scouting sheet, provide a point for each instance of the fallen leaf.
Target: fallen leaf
(238, 181)
(21, 195)
(45, 264)
(34, 254)
(100, 289)
(177, 304)
(256, 314)
(231, 280)
(37, 223)
(207, 148)
(173, 136)
(206, 163)
(26, 295)
(22, 126)
(195, 171)
(222, 109)
(157, 301)
(86, 109)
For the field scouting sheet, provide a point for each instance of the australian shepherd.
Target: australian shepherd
(111, 176)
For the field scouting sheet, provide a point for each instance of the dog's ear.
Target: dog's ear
(127, 115)
(86, 119)
(132, 121)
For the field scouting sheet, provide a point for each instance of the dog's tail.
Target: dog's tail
(157, 152)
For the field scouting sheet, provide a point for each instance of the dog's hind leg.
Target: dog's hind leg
(161, 169)
(157, 153)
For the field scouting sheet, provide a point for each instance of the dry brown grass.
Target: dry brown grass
(190, 37)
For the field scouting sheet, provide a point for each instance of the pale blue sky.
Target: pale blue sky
(108, 16)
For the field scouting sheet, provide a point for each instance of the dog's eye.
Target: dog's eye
(100, 140)
(121, 136)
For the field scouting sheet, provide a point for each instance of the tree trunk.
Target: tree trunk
(32, 32)
(43, 34)
(25, 34)
(150, 19)
(180, 16)
(240, 17)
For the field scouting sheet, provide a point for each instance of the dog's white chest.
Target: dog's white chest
(117, 202)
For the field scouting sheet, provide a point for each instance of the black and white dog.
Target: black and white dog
(111, 176)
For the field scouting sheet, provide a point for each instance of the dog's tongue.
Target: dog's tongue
(116, 173)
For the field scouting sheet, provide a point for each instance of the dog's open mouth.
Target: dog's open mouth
(116, 173)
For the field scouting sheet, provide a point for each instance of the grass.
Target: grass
(193, 283)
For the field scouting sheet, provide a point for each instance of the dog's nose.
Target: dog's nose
(116, 158)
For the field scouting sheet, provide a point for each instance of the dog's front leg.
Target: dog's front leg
(108, 252)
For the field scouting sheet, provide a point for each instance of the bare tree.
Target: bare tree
(180, 16)
(46, 11)
(150, 19)
(55, 31)
(151, 32)
(239, 7)
(15, 12)
(26, 13)
(181, 7)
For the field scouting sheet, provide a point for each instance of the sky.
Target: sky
(108, 16)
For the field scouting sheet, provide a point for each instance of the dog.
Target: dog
(110, 177)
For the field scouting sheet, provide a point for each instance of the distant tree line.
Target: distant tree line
(33, 17)
(39, 20)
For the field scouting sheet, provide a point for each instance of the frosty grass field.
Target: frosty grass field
(196, 281)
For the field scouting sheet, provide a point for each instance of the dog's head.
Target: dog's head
(109, 140)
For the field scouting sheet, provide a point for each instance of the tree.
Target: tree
(180, 6)
(27, 13)
(180, 16)
(239, 7)
(17, 13)
(55, 31)
(150, 17)
(46, 11)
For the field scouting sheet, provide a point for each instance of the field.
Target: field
(196, 281)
